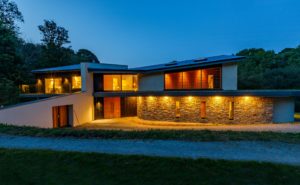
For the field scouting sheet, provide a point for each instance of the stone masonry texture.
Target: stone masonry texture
(247, 110)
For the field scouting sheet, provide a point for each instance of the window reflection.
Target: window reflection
(209, 78)
(120, 82)
(76, 82)
(53, 85)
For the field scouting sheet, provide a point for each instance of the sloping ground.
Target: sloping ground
(276, 152)
(39, 113)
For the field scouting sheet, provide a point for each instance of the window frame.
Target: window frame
(121, 83)
(193, 69)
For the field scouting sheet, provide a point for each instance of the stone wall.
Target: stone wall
(247, 110)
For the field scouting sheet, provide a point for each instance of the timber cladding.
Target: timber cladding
(228, 110)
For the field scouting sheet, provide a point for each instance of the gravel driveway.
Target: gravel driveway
(232, 150)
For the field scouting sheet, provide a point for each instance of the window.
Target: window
(129, 82)
(191, 79)
(112, 82)
(25, 89)
(209, 78)
(173, 80)
(120, 82)
(53, 85)
(203, 110)
(231, 110)
(76, 82)
(177, 109)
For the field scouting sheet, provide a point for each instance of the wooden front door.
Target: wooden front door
(112, 107)
(60, 116)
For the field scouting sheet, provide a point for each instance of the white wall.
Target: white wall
(283, 110)
(229, 76)
(86, 79)
(39, 113)
(151, 82)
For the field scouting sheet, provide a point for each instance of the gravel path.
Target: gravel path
(232, 150)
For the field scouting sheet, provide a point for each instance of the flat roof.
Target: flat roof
(186, 64)
(260, 93)
(174, 65)
(76, 67)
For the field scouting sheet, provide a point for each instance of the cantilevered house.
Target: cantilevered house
(202, 90)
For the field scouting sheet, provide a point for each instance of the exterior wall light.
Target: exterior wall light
(246, 97)
(98, 105)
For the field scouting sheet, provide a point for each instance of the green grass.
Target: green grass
(30, 167)
(189, 135)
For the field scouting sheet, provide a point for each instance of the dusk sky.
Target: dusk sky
(140, 32)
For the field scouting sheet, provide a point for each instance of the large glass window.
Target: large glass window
(209, 78)
(191, 79)
(112, 82)
(76, 82)
(53, 85)
(120, 82)
(173, 80)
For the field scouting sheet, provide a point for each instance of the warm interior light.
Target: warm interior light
(76, 82)
(98, 105)
(39, 82)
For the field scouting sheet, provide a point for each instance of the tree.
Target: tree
(53, 35)
(9, 14)
(8, 92)
(53, 52)
(10, 61)
(85, 55)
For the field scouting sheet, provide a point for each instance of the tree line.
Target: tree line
(19, 57)
(260, 70)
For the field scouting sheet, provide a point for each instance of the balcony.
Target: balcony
(51, 87)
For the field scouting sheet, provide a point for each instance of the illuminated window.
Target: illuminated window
(25, 88)
(120, 82)
(231, 110)
(129, 82)
(209, 78)
(173, 80)
(53, 85)
(112, 82)
(203, 110)
(76, 82)
(177, 109)
(191, 79)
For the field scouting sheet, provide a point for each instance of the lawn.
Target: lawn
(30, 167)
(189, 135)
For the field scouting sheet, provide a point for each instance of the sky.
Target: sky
(144, 32)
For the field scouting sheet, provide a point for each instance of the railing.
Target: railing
(34, 89)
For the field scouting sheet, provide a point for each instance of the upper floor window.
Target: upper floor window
(209, 78)
(120, 82)
(76, 82)
(53, 85)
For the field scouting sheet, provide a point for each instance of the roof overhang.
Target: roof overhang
(259, 93)
(191, 66)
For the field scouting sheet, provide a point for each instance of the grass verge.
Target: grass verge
(188, 135)
(30, 167)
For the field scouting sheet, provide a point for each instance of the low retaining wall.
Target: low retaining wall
(247, 110)
(39, 113)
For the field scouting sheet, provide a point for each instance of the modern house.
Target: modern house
(202, 90)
